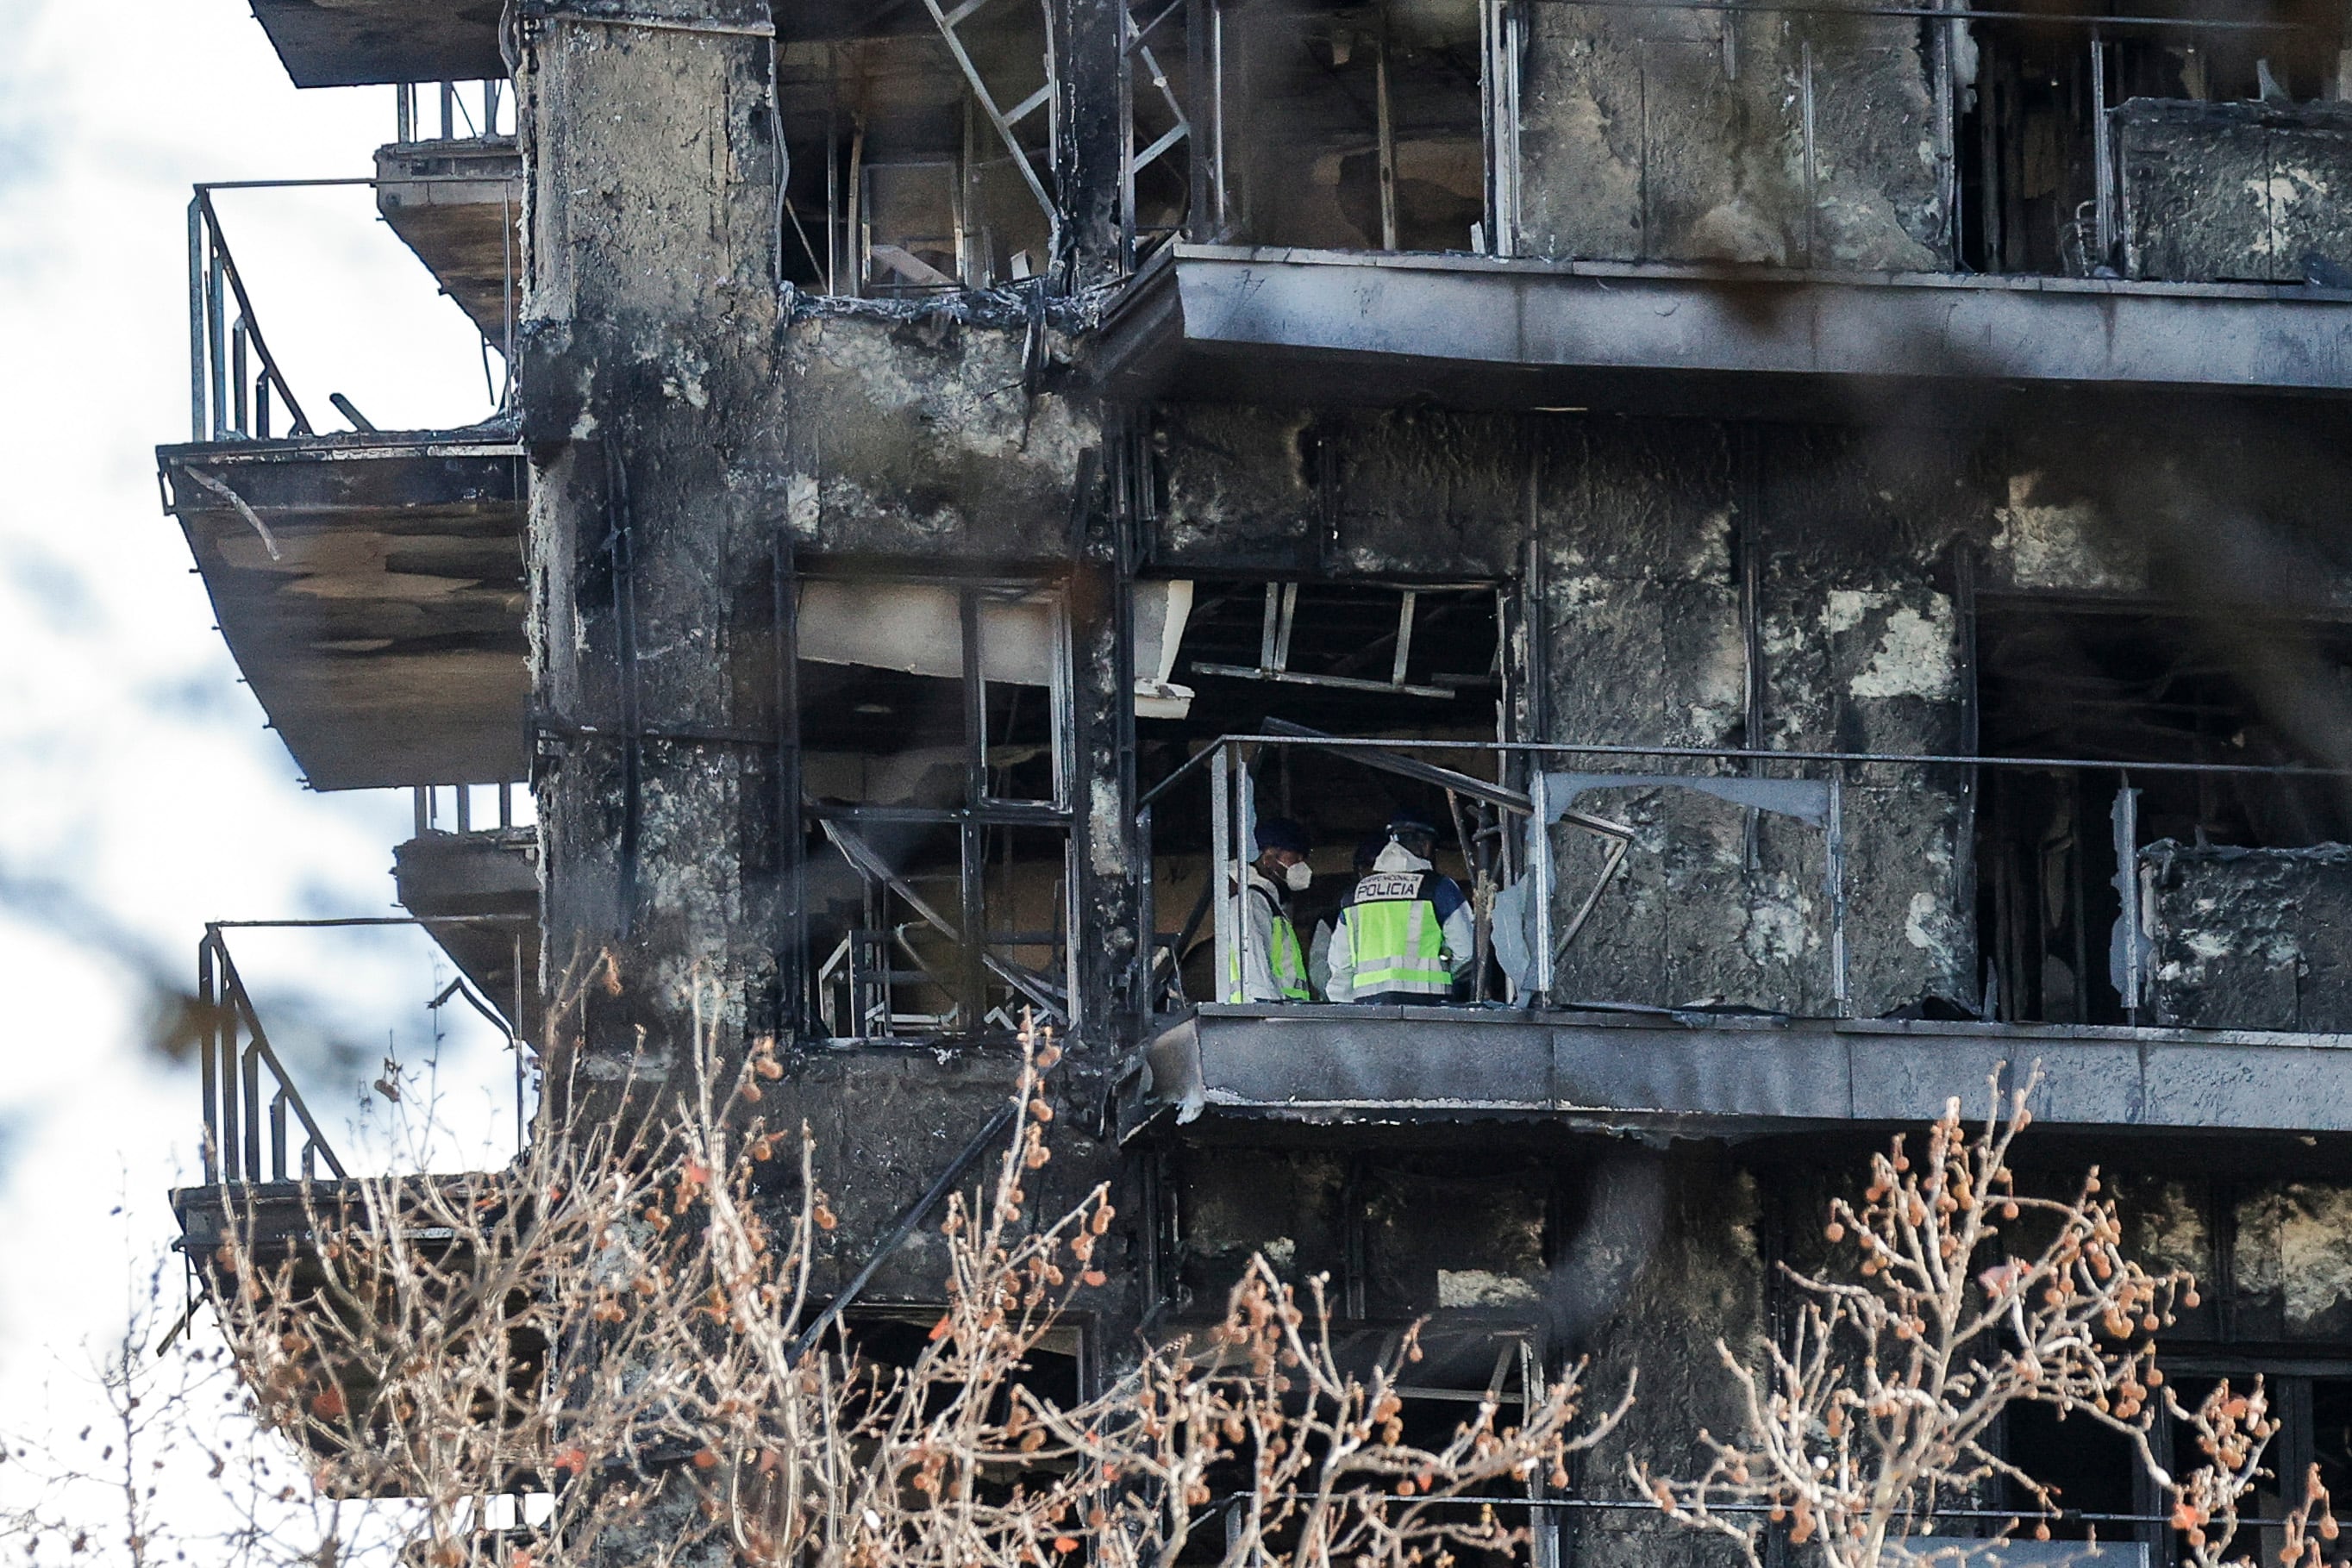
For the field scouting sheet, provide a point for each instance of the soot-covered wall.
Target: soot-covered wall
(1671, 134)
(1674, 553)
(1638, 1258)
(1838, 565)
(1661, 545)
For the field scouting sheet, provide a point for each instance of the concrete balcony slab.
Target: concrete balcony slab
(356, 43)
(1718, 1076)
(480, 893)
(1224, 323)
(381, 619)
(458, 206)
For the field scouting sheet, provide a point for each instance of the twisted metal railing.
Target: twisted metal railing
(252, 1110)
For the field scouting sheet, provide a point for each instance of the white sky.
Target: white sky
(139, 794)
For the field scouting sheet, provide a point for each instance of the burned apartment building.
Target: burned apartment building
(1833, 511)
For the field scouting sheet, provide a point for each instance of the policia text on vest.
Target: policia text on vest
(1404, 933)
(1403, 936)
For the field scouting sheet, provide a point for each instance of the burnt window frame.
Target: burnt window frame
(1215, 927)
(2059, 897)
(978, 813)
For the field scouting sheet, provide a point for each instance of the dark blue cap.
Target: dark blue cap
(1409, 820)
(1281, 833)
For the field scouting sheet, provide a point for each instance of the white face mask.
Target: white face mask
(1299, 877)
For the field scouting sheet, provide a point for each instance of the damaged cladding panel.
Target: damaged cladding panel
(937, 572)
(2258, 936)
(2236, 192)
(928, 446)
(1731, 134)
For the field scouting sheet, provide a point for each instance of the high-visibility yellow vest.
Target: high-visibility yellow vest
(1286, 962)
(1395, 937)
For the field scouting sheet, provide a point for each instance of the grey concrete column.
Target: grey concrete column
(651, 408)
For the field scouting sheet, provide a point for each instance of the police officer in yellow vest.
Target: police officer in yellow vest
(1276, 968)
(1405, 932)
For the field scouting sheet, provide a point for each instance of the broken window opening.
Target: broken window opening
(1161, 167)
(1351, 127)
(2135, 682)
(1430, 1416)
(1463, 1241)
(2085, 151)
(1460, 1246)
(2091, 1470)
(2096, 1473)
(2261, 1512)
(1383, 662)
(894, 1335)
(2169, 1218)
(2330, 1445)
(903, 183)
(935, 733)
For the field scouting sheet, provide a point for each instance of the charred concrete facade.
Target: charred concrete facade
(1832, 510)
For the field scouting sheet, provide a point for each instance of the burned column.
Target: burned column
(648, 372)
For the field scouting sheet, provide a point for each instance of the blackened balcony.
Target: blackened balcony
(348, 44)
(1619, 977)
(1698, 1074)
(1224, 323)
(369, 582)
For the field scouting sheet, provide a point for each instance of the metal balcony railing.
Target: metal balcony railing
(428, 799)
(232, 376)
(1196, 73)
(237, 388)
(466, 111)
(257, 1125)
(248, 1094)
(1510, 819)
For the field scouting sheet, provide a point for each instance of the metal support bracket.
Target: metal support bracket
(1006, 121)
(1274, 651)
